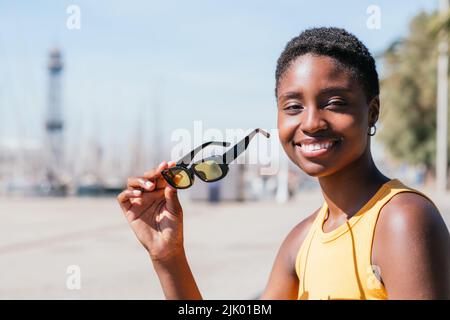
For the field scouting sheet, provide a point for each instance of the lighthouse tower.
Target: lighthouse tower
(54, 126)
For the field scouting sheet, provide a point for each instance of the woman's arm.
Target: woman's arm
(283, 281)
(176, 278)
(154, 213)
(412, 249)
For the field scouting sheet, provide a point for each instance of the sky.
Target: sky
(209, 61)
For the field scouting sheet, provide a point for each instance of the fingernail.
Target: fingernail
(142, 182)
(137, 192)
(148, 184)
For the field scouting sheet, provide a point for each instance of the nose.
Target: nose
(312, 120)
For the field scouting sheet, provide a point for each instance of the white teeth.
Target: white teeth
(316, 146)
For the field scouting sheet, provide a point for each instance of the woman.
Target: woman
(373, 238)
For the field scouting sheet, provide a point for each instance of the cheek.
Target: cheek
(354, 132)
(286, 127)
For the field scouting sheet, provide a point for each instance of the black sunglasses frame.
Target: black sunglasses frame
(223, 161)
(192, 172)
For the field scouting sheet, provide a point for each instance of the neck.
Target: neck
(347, 190)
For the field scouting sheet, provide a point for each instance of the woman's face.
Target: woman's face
(323, 115)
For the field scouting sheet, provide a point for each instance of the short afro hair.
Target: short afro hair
(336, 43)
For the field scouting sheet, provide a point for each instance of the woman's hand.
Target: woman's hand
(153, 211)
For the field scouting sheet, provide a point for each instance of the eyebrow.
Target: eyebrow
(334, 90)
(292, 95)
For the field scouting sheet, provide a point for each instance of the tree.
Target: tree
(408, 93)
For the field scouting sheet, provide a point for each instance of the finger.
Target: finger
(148, 203)
(160, 183)
(171, 164)
(164, 183)
(139, 182)
(155, 172)
(124, 198)
(156, 184)
(156, 177)
(172, 202)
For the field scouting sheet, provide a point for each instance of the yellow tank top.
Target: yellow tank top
(337, 264)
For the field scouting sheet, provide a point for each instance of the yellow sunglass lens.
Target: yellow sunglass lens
(179, 177)
(208, 170)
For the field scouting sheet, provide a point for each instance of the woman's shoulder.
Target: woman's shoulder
(411, 209)
(411, 245)
(409, 219)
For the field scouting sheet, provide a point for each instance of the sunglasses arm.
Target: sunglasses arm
(241, 146)
(186, 159)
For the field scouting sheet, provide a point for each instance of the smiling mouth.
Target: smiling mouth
(317, 148)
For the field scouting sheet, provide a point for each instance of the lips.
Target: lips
(314, 147)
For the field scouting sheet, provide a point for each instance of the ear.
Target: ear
(374, 110)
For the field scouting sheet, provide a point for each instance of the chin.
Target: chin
(316, 170)
(320, 166)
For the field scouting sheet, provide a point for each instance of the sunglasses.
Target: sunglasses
(181, 176)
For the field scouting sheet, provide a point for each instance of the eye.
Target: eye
(293, 108)
(337, 103)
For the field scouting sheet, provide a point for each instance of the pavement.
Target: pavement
(230, 247)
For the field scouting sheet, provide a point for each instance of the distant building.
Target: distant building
(20, 167)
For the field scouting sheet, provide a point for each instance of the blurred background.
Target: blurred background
(94, 92)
